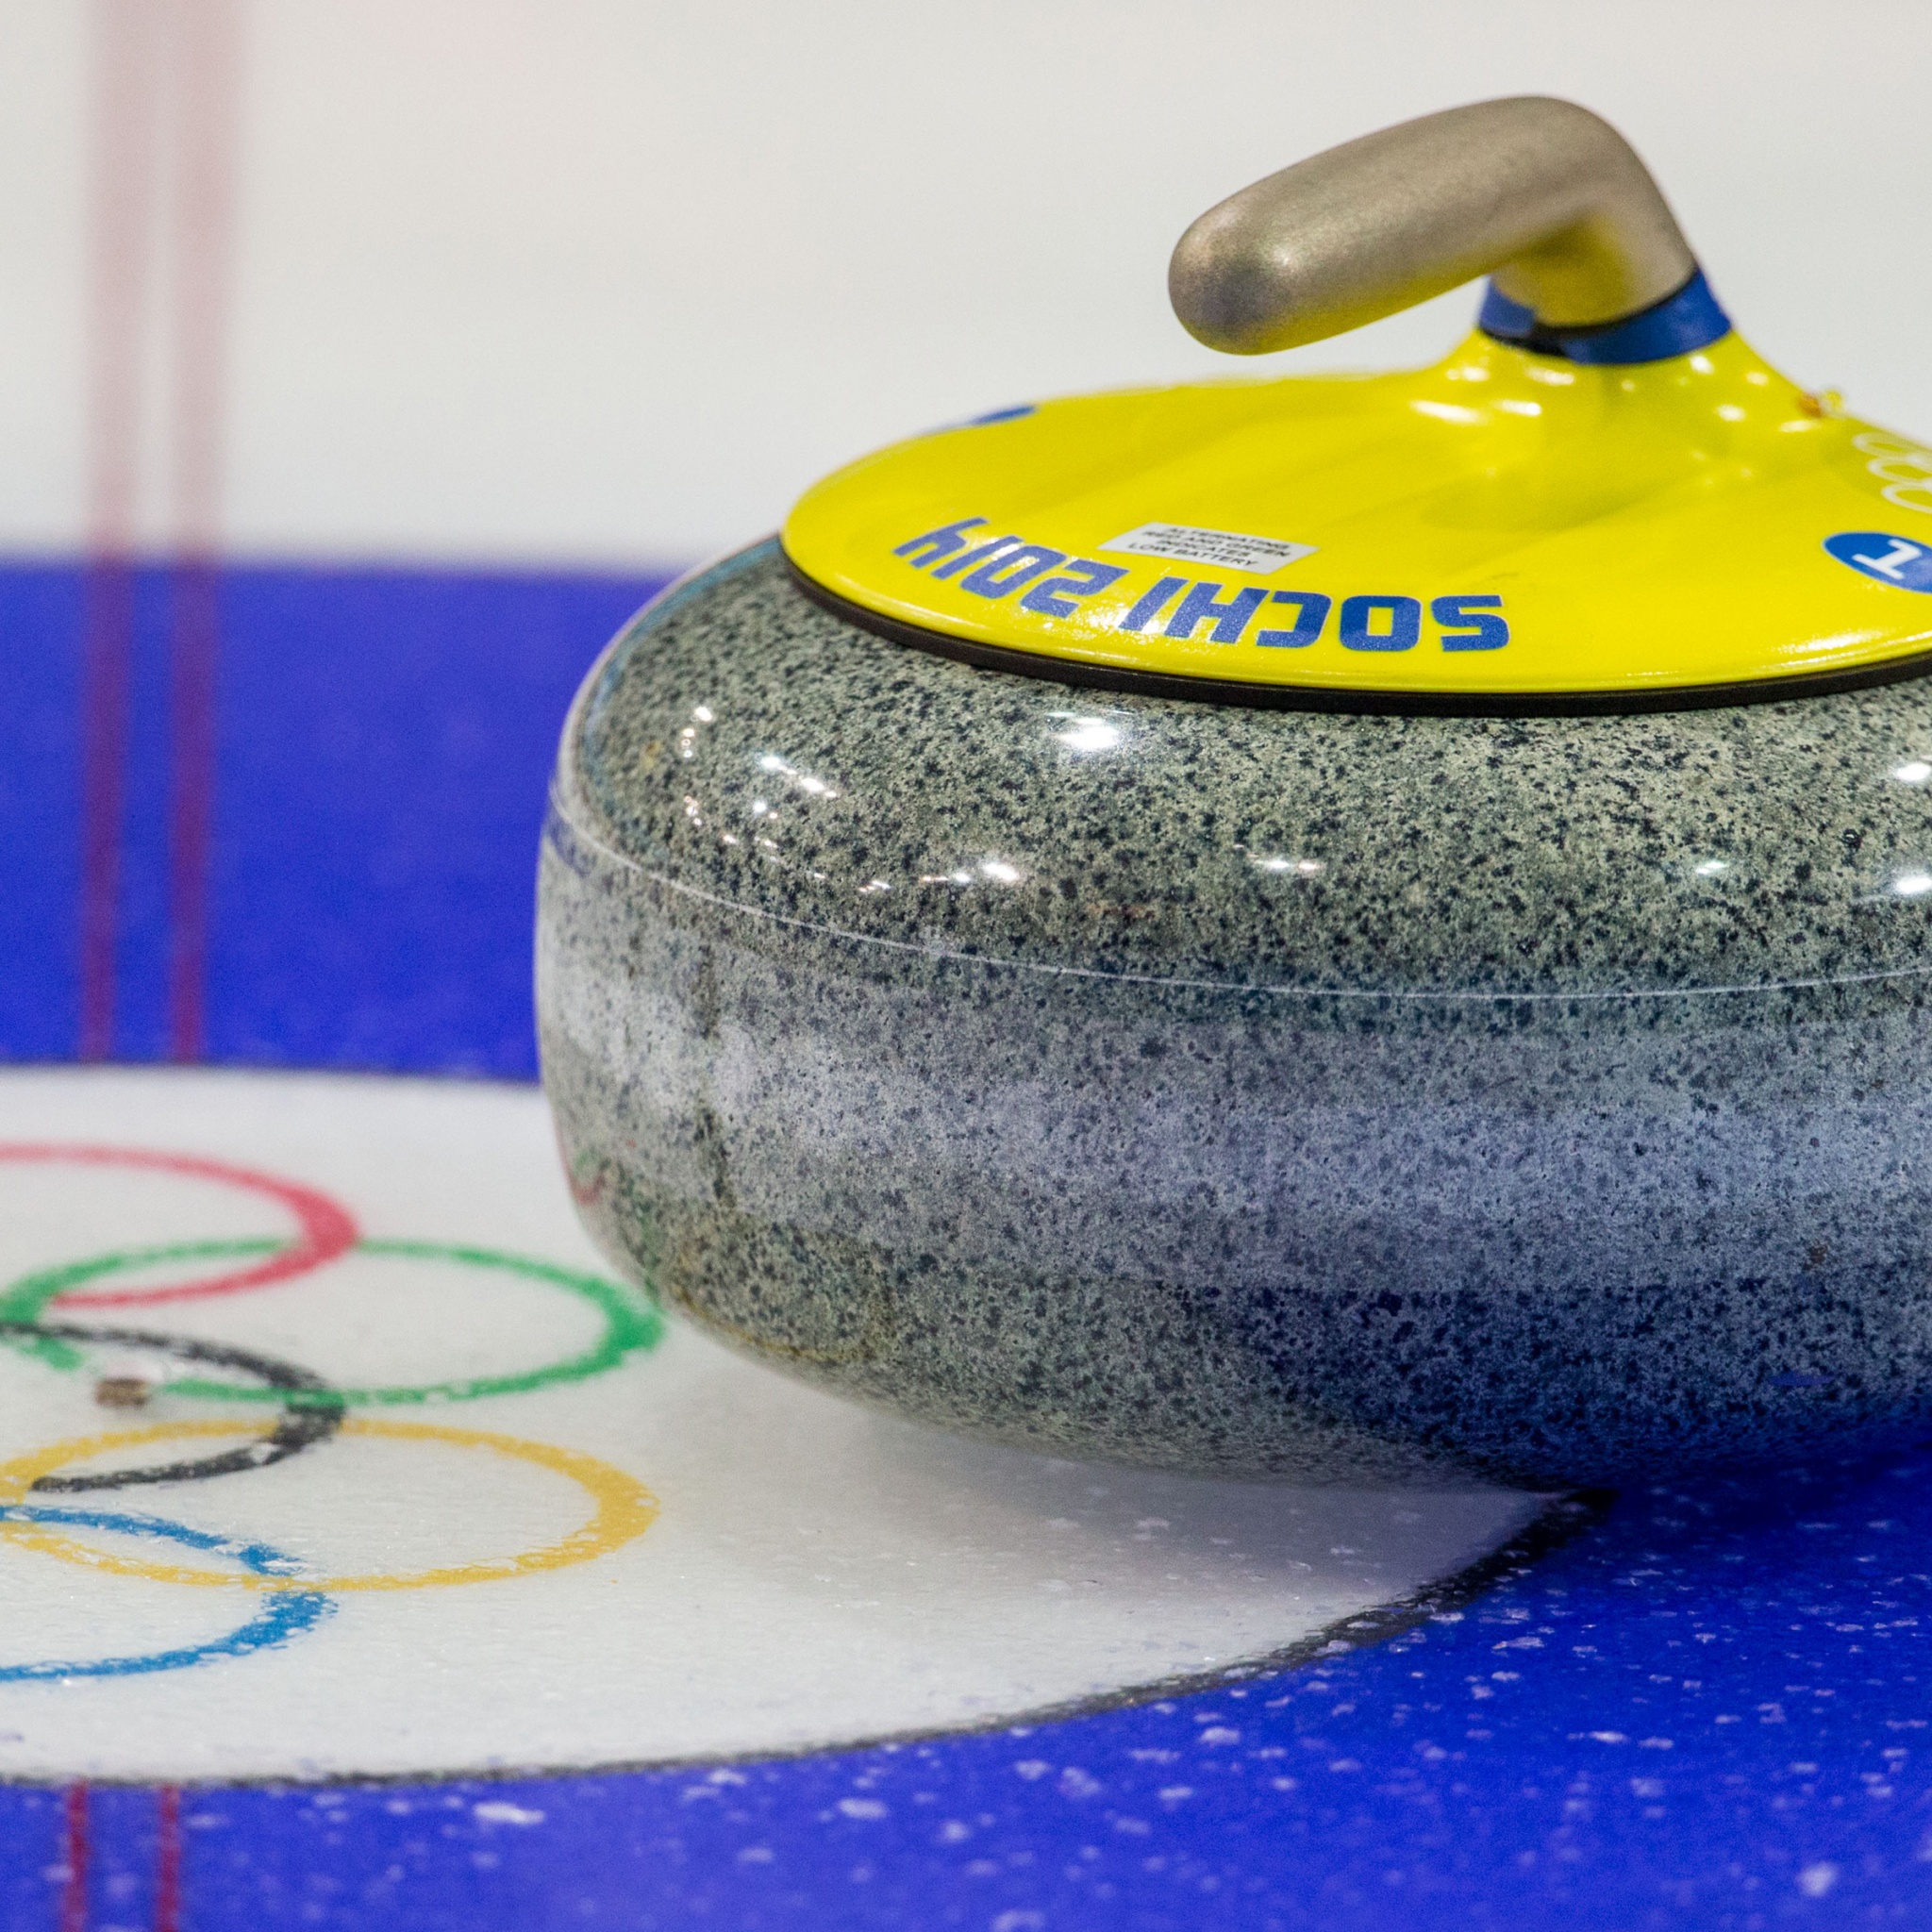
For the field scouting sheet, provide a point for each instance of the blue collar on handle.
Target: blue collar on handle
(1691, 319)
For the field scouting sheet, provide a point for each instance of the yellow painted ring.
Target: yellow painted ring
(624, 1510)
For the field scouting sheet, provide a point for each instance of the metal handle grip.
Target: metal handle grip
(1540, 193)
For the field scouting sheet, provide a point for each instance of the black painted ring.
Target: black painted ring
(311, 1410)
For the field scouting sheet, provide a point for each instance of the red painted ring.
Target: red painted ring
(327, 1228)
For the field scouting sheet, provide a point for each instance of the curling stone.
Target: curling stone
(1359, 929)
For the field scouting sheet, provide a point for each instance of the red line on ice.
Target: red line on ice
(124, 110)
(209, 50)
(74, 1860)
(168, 1860)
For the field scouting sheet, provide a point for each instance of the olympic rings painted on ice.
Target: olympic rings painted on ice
(287, 1613)
(327, 1228)
(312, 1411)
(624, 1510)
(629, 1323)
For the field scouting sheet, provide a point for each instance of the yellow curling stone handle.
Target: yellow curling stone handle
(1602, 499)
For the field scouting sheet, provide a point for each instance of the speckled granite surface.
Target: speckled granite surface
(1251, 1090)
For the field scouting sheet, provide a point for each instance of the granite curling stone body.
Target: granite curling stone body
(1350, 929)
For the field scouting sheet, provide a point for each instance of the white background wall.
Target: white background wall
(610, 281)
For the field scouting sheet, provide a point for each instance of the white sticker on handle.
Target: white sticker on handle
(1226, 549)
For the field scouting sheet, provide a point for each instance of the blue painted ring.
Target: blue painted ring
(284, 1614)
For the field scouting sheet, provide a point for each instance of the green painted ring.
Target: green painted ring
(628, 1326)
